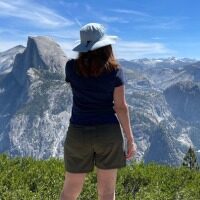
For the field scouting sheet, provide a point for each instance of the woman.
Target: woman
(94, 136)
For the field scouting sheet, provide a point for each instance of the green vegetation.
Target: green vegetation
(26, 178)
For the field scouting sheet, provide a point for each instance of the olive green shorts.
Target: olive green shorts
(95, 145)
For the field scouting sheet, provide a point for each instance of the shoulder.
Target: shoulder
(70, 62)
(69, 65)
(119, 70)
(115, 72)
(119, 77)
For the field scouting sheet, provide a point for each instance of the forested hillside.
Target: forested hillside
(29, 179)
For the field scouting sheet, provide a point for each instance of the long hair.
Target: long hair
(93, 63)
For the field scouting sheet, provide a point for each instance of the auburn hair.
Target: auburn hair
(93, 63)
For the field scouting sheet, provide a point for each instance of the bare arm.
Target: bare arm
(122, 112)
(121, 109)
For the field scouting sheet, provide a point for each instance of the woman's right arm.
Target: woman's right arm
(122, 112)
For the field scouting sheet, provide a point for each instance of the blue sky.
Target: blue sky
(146, 28)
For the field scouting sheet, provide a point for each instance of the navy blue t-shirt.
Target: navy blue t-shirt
(93, 96)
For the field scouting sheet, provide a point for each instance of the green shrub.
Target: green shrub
(29, 179)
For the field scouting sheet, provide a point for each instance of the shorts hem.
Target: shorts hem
(79, 171)
(112, 167)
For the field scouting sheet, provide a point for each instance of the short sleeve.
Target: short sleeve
(119, 79)
(67, 79)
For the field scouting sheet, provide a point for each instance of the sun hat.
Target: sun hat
(92, 36)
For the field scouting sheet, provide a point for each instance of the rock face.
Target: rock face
(35, 104)
(42, 53)
(35, 101)
(184, 100)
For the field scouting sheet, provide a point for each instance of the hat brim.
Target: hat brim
(104, 41)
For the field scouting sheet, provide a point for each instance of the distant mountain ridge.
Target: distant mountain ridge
(167, 71)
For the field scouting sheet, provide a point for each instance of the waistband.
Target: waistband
(93, 126)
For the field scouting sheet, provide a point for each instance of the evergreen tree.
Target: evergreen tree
(190, 159)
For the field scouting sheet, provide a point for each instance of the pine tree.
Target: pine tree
(190, 159)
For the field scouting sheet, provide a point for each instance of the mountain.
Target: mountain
(7, 58)
(165, 115)
(153, 124)
(35, 101)
(164, 72)
(35, 104)
(183, 99)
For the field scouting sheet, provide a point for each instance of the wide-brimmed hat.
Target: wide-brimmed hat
(92, 36)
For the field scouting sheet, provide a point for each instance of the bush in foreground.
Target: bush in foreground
(29, 179)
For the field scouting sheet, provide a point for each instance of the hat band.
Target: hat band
(88, 42)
